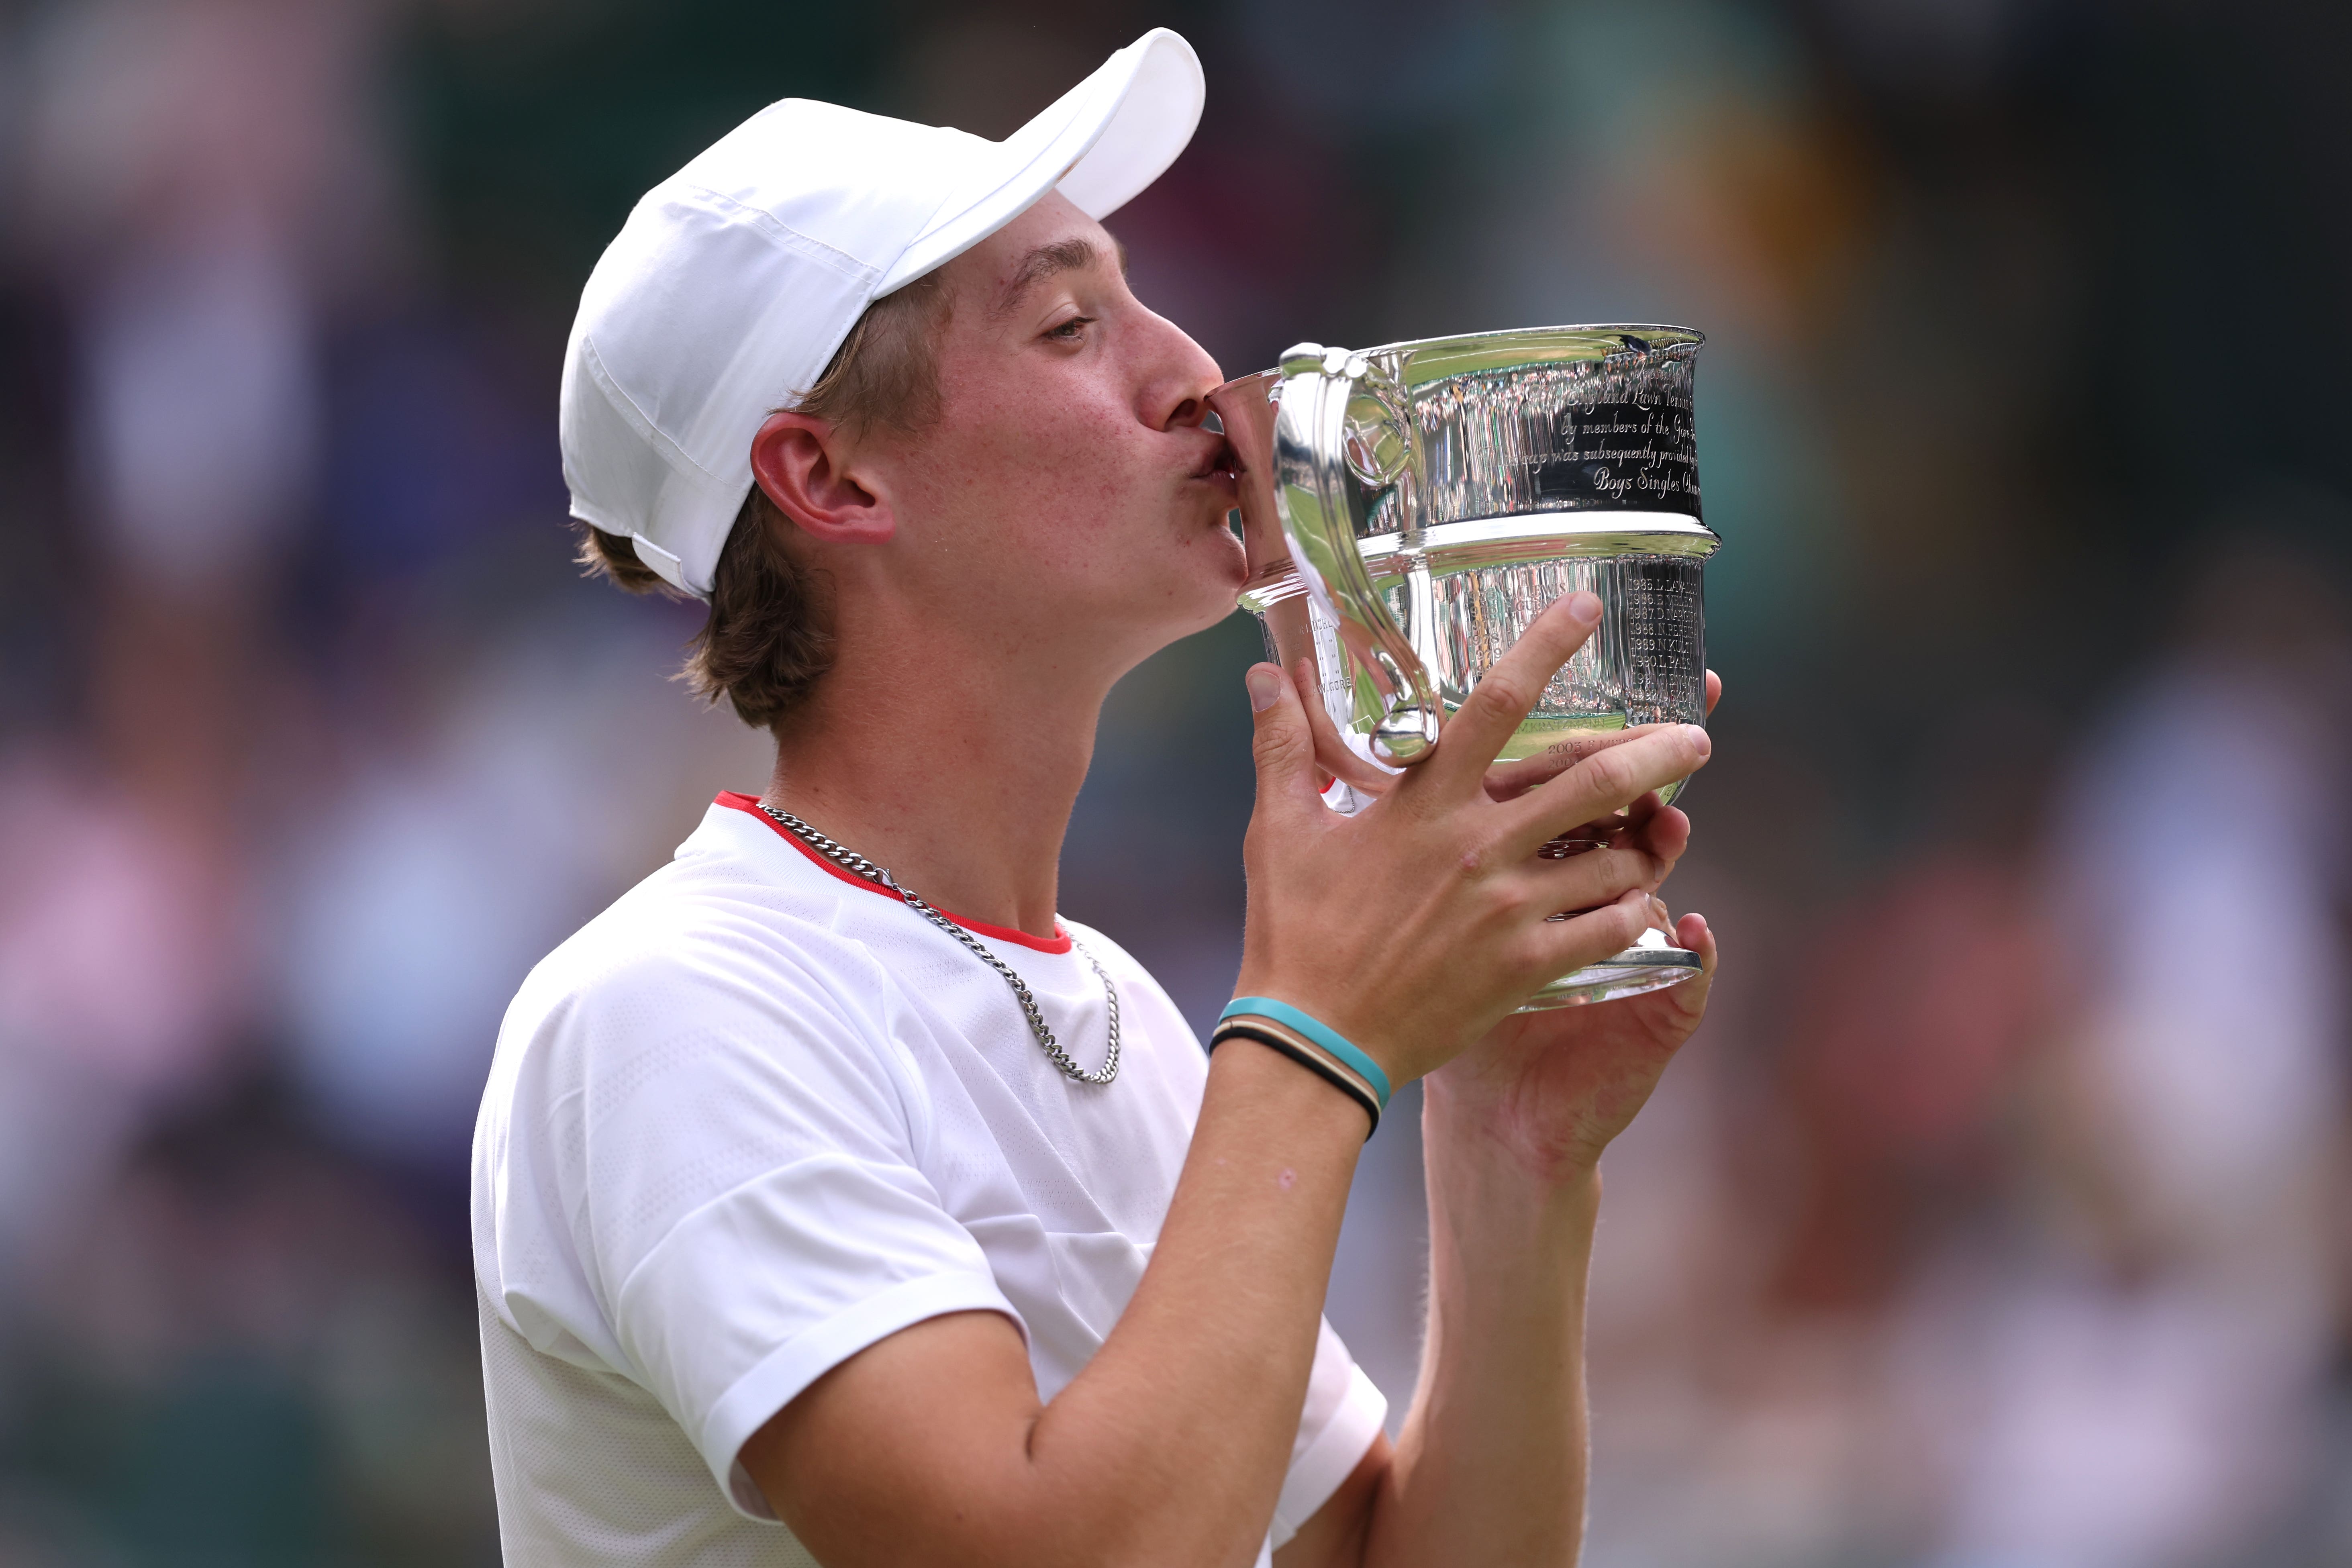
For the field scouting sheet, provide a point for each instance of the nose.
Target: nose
(1182, 375)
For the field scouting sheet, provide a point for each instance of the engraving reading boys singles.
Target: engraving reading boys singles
(1641, 457)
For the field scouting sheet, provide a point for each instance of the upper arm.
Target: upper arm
(913, 1451)
(1334, 1536)
(752, 1206)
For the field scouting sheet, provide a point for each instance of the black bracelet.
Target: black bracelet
(1305, 1055)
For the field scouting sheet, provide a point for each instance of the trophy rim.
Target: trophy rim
(1690, 335)
(1418, 363)
(1674, 335)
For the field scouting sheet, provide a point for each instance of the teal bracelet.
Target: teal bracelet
(1315, 1029)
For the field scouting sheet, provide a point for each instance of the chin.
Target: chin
(1219, 571)
(1190, 599)
(1213, 603)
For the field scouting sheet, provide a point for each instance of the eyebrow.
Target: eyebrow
(1045, 262)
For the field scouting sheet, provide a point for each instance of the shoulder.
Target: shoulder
(691, 937)
(718, 985)
(727, 921)
(707, 1028)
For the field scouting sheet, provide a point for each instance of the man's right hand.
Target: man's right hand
(1416, 925)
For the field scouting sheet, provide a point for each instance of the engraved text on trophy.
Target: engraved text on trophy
(1640, 457)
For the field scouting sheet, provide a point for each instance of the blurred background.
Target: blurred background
(1997, 1218)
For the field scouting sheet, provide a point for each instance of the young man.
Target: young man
(814, 1223)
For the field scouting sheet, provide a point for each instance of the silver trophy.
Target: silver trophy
(1408, 511)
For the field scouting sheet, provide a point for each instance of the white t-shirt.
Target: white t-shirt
(759, 1115)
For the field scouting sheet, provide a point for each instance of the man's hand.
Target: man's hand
(1552, 1088)
(1415, 925)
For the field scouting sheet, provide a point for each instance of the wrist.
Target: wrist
(1245, 1072)
(1293, 1031)
(1486, 1135)
(1528, 1228)
(1503, 1244)
(1333, 1006)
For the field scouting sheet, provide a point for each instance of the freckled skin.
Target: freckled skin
(1112, 558)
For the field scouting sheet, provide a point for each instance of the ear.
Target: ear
(803, 464)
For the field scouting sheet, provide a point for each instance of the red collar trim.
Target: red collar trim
(750, 806)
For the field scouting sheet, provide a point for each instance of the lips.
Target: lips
(1222, 467)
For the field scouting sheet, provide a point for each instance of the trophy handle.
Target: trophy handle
(1322, 512)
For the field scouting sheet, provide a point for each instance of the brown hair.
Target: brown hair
(765, 643)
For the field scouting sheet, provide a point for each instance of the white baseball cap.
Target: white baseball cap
(733, 281)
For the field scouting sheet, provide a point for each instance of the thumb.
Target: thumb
(1283, 745)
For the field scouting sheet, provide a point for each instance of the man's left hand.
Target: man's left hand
(1553, 1087)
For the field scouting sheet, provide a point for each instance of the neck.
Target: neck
(958, 771)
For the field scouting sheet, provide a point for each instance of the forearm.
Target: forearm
(1490, 1468)
(1183, 1422)
(1169, 1447)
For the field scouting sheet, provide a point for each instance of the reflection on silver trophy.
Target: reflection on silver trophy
(1409, 509)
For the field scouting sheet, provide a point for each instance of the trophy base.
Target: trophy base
(1651, 963)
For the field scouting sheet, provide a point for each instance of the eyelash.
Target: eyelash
(1062, 332)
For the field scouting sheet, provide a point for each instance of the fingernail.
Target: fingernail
(1584, 606)
(1265, 688)
(1701, 741)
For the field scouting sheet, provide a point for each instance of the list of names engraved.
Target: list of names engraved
(1662, 622)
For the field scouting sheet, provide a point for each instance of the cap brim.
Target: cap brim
(1101, 143)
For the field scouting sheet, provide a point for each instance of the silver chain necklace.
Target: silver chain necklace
(858, 865)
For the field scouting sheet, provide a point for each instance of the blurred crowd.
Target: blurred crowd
(1996, 1219)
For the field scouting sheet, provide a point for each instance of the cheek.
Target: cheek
(1082, 462)
(1078, 476)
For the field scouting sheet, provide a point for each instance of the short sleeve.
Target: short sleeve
(1343, 1415)
(754, 1202)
